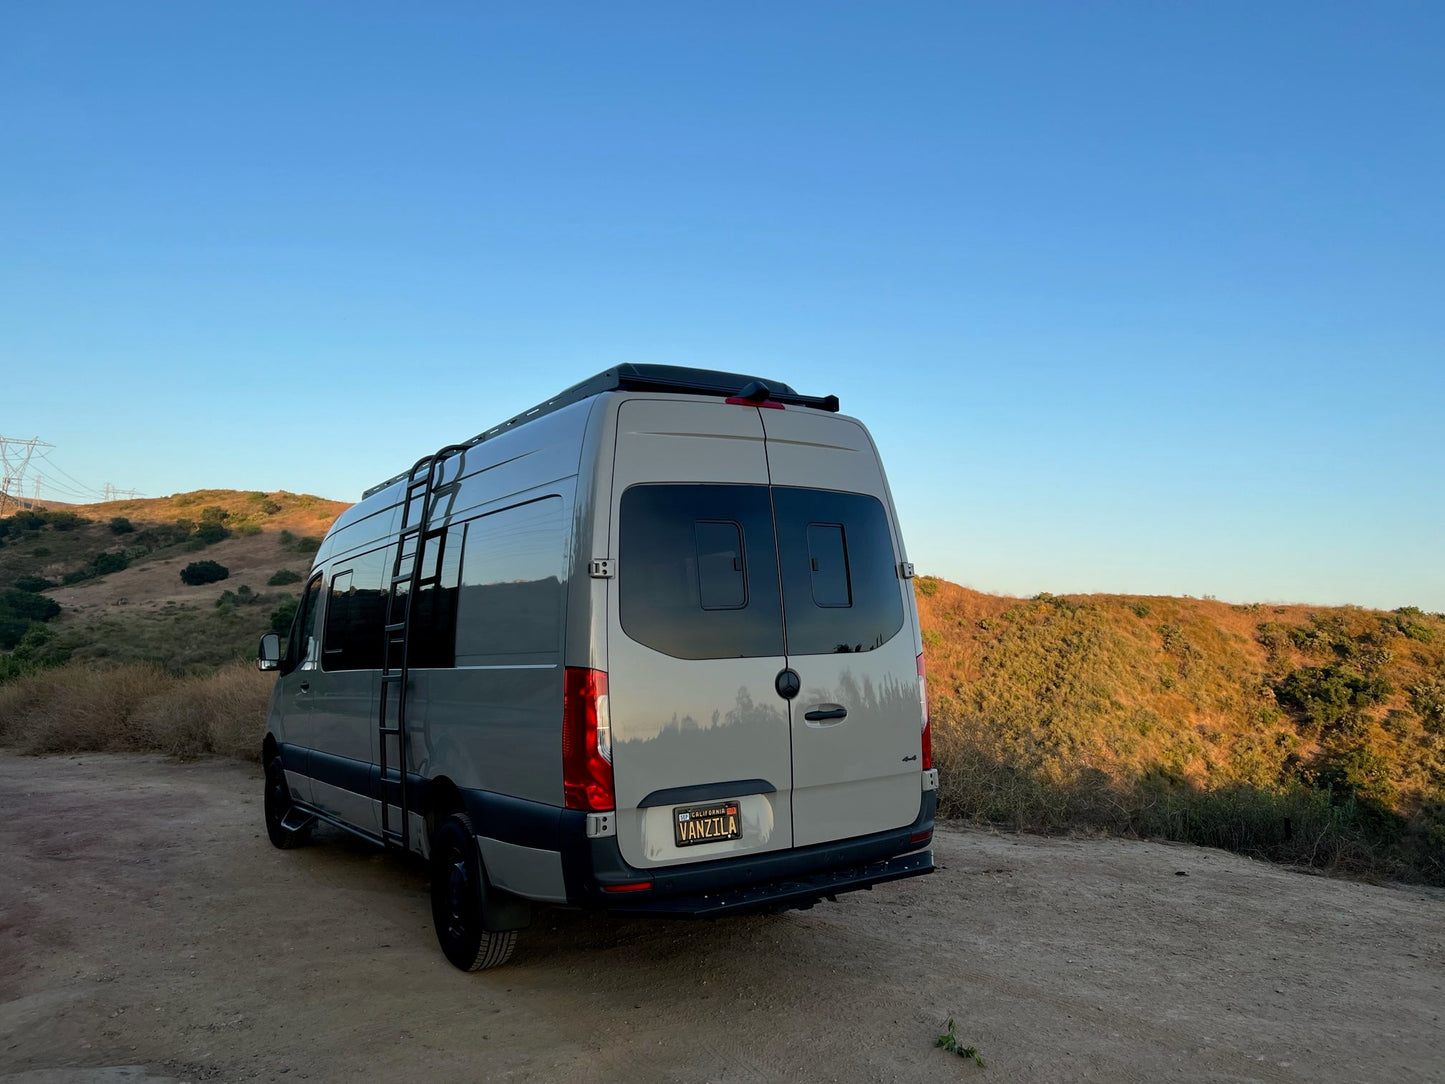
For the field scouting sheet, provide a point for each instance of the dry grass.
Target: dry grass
(136, 708)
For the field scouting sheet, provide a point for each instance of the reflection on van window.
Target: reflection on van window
(721, 573)
(511, 584)
(696, 572)
(840, 577)
(355, 613)
(434, 624)
(828, 561)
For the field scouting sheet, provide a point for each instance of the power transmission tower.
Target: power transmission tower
(15, 457)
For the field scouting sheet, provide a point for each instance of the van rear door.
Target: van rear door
(857, 723)
(700, 738)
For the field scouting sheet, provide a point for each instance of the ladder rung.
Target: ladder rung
(396, 626)
(390, 730)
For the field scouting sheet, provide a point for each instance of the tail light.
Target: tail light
(927, 724)
(586, 741)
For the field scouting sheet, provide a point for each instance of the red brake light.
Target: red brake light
(766, 404)
(586, 741)
(927, 722)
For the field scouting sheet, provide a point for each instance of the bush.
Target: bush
(18, 610)
(65, 521)
(210, 532)
(138, 708)
(74, 576)
(283, 615)
(103, 564)
(282, 578)
(121, 525)
(33, 583)
(201, 572)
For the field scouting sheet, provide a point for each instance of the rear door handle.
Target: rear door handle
(306, 686)
(832, 712)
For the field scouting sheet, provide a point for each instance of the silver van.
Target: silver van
(649, 647)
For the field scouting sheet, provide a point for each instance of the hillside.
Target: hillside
(1315, 727)
(113, 570)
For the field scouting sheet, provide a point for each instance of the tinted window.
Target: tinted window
(721, 572)
(511, 583)
(301, 643)
(433, 632)
(840, 577)
(355, 614)
(697, 574)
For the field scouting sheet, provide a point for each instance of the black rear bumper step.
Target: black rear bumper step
(793, 892)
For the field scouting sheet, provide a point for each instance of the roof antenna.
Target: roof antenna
(755, 392)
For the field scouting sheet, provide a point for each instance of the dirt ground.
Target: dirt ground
(148, 931)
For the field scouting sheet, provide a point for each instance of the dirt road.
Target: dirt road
(149, 931)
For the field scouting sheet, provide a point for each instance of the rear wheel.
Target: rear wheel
(458, 899)
(278, 804)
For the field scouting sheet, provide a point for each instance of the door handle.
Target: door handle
(832, 712)
(306, 686)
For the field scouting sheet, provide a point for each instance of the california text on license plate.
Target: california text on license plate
(706, 823)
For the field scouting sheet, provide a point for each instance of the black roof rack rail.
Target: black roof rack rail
(630, 377)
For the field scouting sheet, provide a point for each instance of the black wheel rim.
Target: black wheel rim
(460, 896)
(277, 799)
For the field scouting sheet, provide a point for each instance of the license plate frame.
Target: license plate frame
(713, 822)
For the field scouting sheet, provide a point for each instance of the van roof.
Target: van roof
(661, 378)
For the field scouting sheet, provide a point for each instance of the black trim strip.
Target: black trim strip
(706, 792)
(514, 820)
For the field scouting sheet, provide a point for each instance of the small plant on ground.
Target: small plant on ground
(949, 1041)
(283, 577)
(199, 572)
(121, 525)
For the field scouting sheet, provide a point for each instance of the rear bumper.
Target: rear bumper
(594, 871)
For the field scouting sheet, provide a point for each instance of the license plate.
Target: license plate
(706, 823)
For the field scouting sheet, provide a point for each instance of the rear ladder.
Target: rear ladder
(408, 578)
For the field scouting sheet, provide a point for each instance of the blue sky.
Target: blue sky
(1134, 297)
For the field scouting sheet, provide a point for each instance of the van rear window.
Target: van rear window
(698, 574)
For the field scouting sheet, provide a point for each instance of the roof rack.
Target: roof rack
(630, 377)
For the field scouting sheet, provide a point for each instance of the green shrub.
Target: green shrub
(210, 532)
(74, 576)
(283, 615)
(65, 521)
(18, 610)
(201, 572)
(283, 577)
(33, 583)
(103, 564)
(926, 585)
(121, 525)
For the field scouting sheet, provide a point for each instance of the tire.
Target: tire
(278, 804)
(458, 897)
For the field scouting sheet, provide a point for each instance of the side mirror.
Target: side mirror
(268, 655)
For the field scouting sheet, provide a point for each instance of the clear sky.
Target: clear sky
(1134, 297)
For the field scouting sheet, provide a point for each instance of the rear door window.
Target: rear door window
(840, 576)
(697, 571)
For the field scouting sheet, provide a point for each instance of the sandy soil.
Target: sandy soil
(149, 931)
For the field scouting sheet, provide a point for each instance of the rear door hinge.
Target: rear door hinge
(602, 568)
(905, 570)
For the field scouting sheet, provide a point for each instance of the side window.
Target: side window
(355, 614)
(301, 646)
(434, 624)
(511, 584)
(840, 576)
(697, 574)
